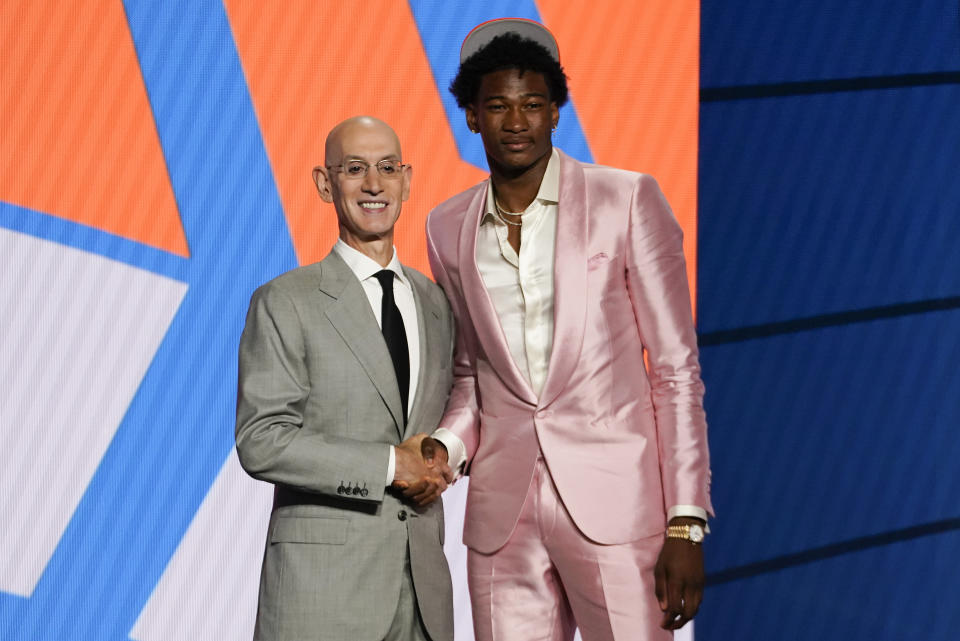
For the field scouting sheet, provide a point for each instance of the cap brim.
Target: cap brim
(481, 35)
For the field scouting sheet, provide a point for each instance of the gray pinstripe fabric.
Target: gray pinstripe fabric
(318, 405)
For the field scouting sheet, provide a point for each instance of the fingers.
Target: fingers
(430, 494)
(673, 615)
(428, 449)
(678, 579)
(415, 489)
(446, 472)
(435, 456)
(425, 491)
(422, 469)
(668, 597)
(660, 583)
(433, 451)
(425, 486)
(409, 461)
(692, 595)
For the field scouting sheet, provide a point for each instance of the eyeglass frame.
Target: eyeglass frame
(366, 168)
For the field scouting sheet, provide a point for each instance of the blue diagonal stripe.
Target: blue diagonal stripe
(95, 241)
(178, 430)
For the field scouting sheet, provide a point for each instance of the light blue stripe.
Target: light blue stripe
(95, 241)
(179, 427)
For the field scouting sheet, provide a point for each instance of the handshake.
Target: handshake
(422, 471)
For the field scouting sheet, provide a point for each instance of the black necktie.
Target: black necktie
(391, 324)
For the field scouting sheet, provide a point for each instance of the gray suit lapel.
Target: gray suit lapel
(428, 318)
(351, 316)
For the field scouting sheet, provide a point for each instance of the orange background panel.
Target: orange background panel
(79, 139)
(309, 66)
(634, 76)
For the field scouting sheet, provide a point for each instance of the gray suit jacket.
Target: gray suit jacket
(318, 405)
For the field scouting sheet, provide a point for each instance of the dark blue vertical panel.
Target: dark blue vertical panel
(773, 41)
(829, 435)
(902, 592)
(815, 205)
(825, 203)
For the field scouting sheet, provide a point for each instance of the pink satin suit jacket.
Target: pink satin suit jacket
(622, 444)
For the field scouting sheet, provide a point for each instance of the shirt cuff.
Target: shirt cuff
(689, 510)
(391, 466)
(456, 450)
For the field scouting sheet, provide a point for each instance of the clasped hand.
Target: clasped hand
(679, 578)
(422, 472)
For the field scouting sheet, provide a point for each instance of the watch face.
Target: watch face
(696, 533)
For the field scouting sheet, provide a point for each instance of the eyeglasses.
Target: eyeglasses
(359, 168)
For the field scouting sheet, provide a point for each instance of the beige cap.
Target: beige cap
(481, 35)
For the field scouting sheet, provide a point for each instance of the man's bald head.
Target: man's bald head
(334, 150)
(363, 176)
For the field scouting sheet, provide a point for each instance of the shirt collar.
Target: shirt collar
(549, 187)
(365, 267)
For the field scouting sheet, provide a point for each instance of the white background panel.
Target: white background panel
(79, 332)
(209, 589)
(454, 503)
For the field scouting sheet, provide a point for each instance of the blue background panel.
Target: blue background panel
(820, 437)
(905, 591)
(771, 41)
(827, 203)
(172, 442)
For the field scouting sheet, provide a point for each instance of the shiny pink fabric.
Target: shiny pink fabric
(549, 578)
(622, 446)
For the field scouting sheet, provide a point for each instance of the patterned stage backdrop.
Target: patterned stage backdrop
(154, 169)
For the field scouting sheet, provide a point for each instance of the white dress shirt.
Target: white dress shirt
(364, 269)
(521, 289)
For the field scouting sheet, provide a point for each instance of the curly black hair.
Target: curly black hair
(508, 51)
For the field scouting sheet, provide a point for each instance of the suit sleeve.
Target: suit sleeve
(660, 294)
(462, 415)
(273, 443)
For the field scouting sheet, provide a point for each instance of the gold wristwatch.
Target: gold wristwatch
(693, 533)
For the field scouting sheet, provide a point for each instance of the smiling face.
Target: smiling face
(514, 115)
(369, 206)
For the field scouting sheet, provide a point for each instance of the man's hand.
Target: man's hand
(435, 455)
(419, 482)
(679, 578)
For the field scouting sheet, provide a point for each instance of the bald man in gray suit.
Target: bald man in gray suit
(344, 366)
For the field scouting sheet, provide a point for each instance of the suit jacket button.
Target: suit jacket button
(364, 492)
(402, 515)
(340, 489)
(356, 491)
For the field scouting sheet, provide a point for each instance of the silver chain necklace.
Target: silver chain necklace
(501, 212)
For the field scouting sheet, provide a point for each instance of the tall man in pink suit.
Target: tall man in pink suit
(562, 277)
